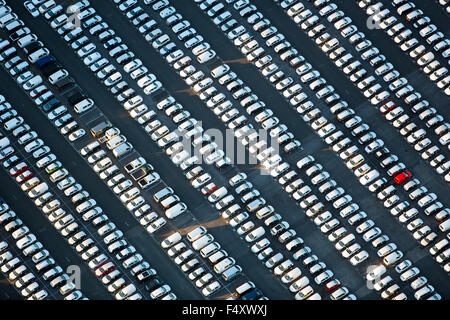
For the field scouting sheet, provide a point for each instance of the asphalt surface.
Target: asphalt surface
(168, 171)
(349, 92)
(269, 188)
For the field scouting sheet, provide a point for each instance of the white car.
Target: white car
(156, 225)
(77, 134)
(206, 56)
(211, 288)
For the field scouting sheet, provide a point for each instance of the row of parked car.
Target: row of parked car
(392, 160)
(114, 140)
(399, 85)
(144, 79)
(168, 200)
(239, 219)
(365, 226)
(202, 52)
(264, 25)
(190, 123)
(220, 199)
(127, 290)
(219, 192)
(183, 256)
(208, 249)
(65, 222)
(37, 90)
(149, 219)
(14, 268)
(186, 124)
(289, 273)
(428, 32)
(292, 54)
(273, 30)
(399, 179)
(140, 112)
(217, 101)
(445, 5)
(367, 84)
(204, 179)
(198, 182)
(388, 160)
(424, 235)
(393, 28)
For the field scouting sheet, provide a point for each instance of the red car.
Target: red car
(402, 177)
(38, 92)
(18, 169)
(104, 269)
(208, 189)
(24, 176)
(333, 284)
(385, 108)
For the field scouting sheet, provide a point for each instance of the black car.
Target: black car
(51, 68)
(65, 83)
(153, 284)
(51, 105)
(32, 47)
(16, 35)
(75, 96)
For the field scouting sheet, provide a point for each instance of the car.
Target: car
(260, 245)
(77, 134)
(419, 283)
(392, 258)
(211, 288)
(29, 5)
(272, 261)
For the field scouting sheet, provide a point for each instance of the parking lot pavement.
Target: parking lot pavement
(348, 275)
(326, 67)
(434, 10)
(97, 189)
(352, 94)
(345, 88)
(405, 65)
(53, 293)
(46, 234)
(168, 171)
(352, 277)
(7, 291)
